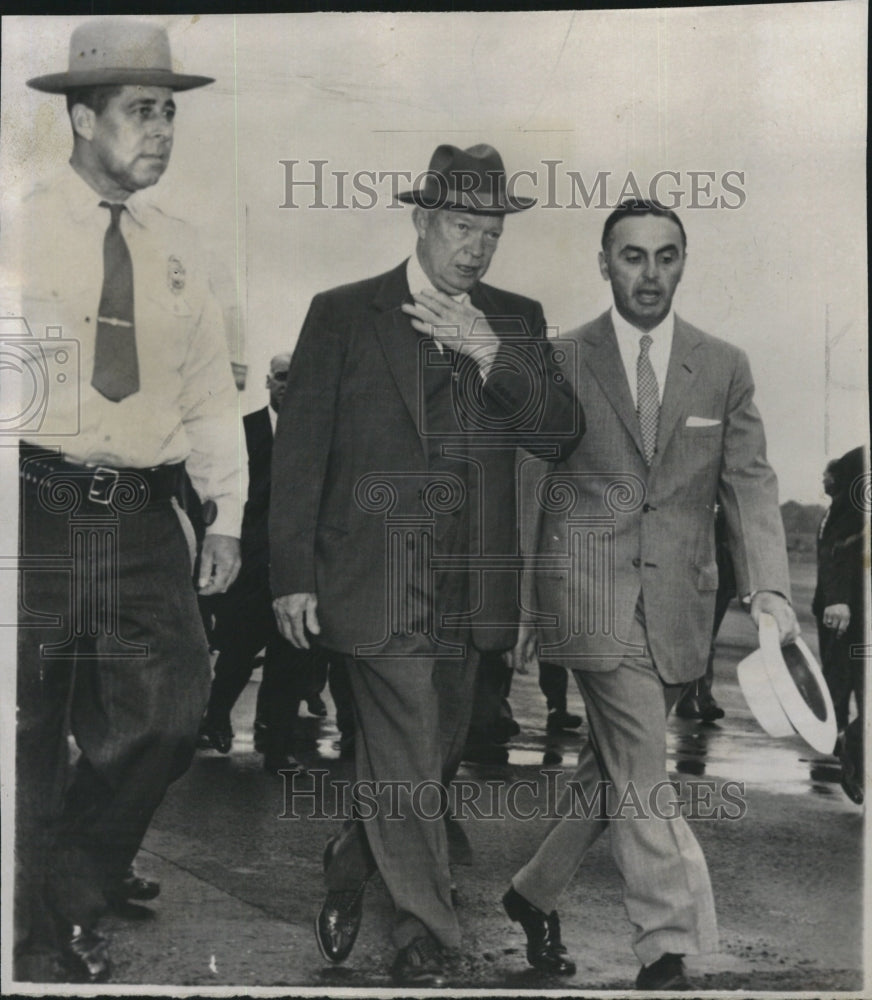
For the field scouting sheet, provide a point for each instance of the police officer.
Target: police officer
(109, 623)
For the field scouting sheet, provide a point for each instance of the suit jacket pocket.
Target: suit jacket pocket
(707, 576)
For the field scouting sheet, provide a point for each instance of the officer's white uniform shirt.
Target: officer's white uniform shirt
(187, 406)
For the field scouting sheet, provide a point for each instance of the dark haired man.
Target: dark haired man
(111, 645)
(672, 424)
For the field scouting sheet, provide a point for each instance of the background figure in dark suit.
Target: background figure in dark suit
(393, 483)
(244, 620)
(697, 700)
(554, 684)
(672, 425)
(839, 607)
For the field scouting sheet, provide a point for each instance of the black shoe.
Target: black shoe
(277, 763)
(419, 964)
(504, 729)
(131, 888)
(667, 973)
(316, 706)
(86, 954)
(216, 736)
(485, 753)
(687, 707)
(544, 951)
(329, 851)
(850, 780)
(559, 721)
(338, 922)
(710, 710)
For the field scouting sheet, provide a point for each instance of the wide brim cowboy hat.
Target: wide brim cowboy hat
(786, 691)
(467, 180)
(118, 53)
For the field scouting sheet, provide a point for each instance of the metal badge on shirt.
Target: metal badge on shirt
(175, 275)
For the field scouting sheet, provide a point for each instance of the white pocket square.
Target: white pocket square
(701, 422)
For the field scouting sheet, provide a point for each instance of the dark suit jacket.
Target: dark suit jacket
(660, 521)
(255, 519)
(352, 418)
(840, 546)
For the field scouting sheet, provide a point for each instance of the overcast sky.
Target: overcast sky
(768, 99)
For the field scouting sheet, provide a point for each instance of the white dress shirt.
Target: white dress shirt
(419, 282)
(187, 405)
(661, 346)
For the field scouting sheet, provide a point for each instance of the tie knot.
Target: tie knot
(645, 342)
(115, 210)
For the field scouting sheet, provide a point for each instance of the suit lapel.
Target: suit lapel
(680, 375)
(601, 355)
(399, 340)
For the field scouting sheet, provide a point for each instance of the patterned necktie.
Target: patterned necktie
(116, 370)
(647, 399)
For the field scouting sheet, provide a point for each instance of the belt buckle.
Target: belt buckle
(103, 484)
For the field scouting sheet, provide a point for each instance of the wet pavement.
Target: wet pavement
(240, 863)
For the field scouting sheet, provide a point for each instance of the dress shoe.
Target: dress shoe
(558, 721)
(131, 888)
(686, 708)
(316, 706)
(86, 954)
(216, 736)
(544, 951)
(338, 922)
(667, 973)
(710, 710)
(329, 851)
(850, 780)
(275, 763)
(419, 964)
(485, 753)
(504, 729)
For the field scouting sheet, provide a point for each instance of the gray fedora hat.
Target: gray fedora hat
(467, 180)
(118, 52)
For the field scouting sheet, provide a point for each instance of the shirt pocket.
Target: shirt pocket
(164, 326)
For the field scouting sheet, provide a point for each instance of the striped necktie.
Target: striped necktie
(116, 369)
(647, 399)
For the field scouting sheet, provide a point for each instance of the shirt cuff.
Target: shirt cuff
(225, 523)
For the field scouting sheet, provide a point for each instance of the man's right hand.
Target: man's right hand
(294, 614)
(525, 655)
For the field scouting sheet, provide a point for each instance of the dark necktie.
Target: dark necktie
(647, 399)
(116, 370)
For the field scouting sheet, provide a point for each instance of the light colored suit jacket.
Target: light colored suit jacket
(613, 528)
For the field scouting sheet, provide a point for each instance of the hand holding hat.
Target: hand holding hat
(785, 689)
(771, 603)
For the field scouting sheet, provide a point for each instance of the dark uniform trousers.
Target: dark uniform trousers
(128, 678)
(413, 707)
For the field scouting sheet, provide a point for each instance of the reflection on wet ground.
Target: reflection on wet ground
(734, 749)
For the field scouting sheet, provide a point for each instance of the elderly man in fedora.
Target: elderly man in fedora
(393, 506)
(111, 645)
